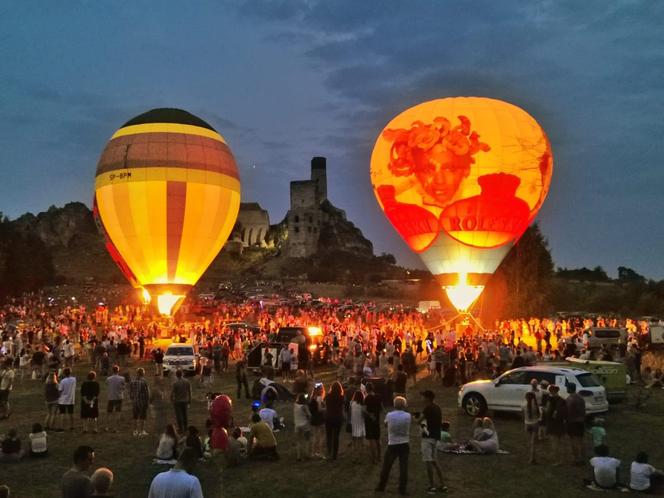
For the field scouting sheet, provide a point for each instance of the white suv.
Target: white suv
(182, 356)
(507, 392)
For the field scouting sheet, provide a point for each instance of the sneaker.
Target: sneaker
(432, 490)
(442, 489)
(143, 433)
(135, 433)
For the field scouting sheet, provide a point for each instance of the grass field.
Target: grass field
(130, 458)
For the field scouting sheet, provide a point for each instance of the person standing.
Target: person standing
(431, 420)
(51, 395)
(531, 418)
(556, 413)
(241, 377)
(75, 483)
(158, 357)
(181, 399)
(115, 386)
(90, 401)
(334, 417)
(67, 398)
(373, 406)
(139, 393)
(576, 418)
(178, 482)
(7, 375)
(398, 435)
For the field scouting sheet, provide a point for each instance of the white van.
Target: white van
(182, 356)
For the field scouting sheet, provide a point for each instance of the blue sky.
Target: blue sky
(286, 80)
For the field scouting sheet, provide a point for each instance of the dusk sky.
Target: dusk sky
(285, 80)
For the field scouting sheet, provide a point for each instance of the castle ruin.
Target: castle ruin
(304, 217)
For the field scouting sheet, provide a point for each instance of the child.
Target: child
(598, 432)
(38, 441)
(446, 442)
(237, 449)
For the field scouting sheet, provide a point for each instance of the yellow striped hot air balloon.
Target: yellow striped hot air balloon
(167, 194)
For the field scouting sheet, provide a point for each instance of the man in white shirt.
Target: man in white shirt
(269, 416)
(398, 435)
(178, 482)
(67, 388)
(605, 468)
(641, 474)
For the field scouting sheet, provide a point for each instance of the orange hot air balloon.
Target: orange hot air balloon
(167, 194)
(460, 179)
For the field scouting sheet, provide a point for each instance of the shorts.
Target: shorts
(66, 409)
(285, 367)
(575, 429)
(114, 405)
(530, 428)
(428, 449)
(4, 395)
(303, 432)
(140, 412)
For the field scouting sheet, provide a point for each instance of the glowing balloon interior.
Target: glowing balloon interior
(167, 194)
(460, 179)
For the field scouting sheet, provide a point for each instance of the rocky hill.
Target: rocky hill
(79, 256)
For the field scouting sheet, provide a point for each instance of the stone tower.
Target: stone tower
(304, 216)
(319, 175)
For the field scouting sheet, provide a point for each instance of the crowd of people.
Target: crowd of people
(43, 344)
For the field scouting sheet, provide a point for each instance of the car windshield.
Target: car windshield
(588, 380)
(180, 352)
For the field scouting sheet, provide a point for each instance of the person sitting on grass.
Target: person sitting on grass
(38, 441)
(597, 432)
(446, 442)
(237, 448)
(485, 438)
(269, 415)
(605, 469)
(11, 447)
(168, 444)
(262, 442)
(643, 476)
(102, 480)
(193, 441)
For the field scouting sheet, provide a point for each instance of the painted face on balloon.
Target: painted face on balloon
(440, 173)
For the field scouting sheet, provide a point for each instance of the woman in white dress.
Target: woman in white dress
(357, 421)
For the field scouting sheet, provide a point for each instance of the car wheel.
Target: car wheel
(474, 405)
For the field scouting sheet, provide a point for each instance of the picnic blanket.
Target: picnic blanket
(463, 451)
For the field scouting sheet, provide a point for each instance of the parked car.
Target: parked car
(507, 392)
(182, 356)
(605, 336)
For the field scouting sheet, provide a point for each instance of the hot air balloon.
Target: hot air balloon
(167, 194)
(460, 179)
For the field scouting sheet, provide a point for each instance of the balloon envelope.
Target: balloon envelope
(460, 179)
(167, 194)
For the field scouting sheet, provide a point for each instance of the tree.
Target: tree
(626, 275)
(522, 282)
